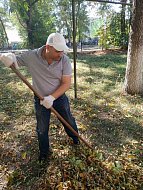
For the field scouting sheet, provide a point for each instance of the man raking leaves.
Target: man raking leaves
(51, 74)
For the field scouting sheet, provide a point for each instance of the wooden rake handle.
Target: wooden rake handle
(52, 109)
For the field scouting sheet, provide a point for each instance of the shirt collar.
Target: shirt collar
(39, 52)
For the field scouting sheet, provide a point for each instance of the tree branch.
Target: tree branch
(110, 1)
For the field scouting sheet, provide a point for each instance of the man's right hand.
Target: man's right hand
(48, 101)
(8, 59)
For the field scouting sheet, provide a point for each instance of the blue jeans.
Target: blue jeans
(61, 105)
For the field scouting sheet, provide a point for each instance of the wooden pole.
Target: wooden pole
(74, 47)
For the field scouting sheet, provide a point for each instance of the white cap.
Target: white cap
(57, 41)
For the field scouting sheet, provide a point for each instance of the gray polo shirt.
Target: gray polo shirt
(46, 78)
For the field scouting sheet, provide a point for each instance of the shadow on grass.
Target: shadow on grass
(108, 69)
(107, 128)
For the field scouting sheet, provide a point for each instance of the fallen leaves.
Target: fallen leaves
(110, 122)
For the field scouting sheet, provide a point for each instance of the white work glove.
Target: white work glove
(8, 59)
(48, 101)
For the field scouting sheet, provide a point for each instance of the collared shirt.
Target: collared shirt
(46, 78)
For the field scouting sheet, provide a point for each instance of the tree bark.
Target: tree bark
(123, 25)
(4, 30)
(134, 70)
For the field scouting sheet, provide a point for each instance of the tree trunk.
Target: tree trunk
(29, 23)
(29, 29)
(123, 25)
(134, 70)
(4, 30)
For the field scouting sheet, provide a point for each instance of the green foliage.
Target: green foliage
(115, 32)
(3, 40)
(42, 23)
(63, 15)
(3, 20)
(35, 21)
(110, 35)
(112, 32)
(96, 24)
(82, 22)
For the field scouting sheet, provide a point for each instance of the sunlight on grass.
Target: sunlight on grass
(110, 121)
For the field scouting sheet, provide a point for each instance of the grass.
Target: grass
(109, 120)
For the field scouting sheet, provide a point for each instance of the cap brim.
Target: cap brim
(61, 47)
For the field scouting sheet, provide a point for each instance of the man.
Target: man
(51, 74)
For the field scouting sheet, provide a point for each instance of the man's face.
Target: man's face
(53, 53)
